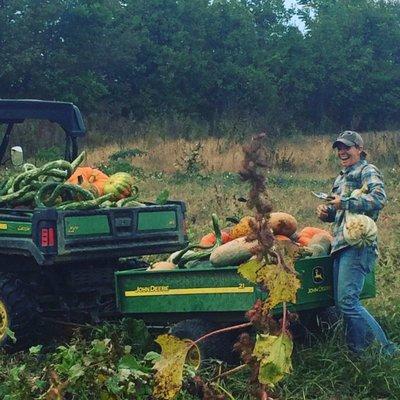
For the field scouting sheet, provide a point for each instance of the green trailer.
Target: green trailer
(219, 294)
(193, 302)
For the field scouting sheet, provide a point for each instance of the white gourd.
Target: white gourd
(359, 230)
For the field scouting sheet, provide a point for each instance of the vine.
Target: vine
(268, 356)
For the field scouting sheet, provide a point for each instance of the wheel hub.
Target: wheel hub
(4, 323)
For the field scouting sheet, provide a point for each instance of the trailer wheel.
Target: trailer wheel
(218, 347)
(315, 323)
(18, 313)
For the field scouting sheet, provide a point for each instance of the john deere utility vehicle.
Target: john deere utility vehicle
(67, 265)
(60, 264)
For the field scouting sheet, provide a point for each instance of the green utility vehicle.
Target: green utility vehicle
(68, 265)
(202, 299)
(60, 264)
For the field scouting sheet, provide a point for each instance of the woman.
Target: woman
(352, 264)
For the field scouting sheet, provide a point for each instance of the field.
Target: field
(204, 175)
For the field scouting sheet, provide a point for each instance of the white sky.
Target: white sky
(295, 20)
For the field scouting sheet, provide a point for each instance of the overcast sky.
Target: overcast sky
(296, 21)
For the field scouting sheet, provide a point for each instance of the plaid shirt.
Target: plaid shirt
(351, 178)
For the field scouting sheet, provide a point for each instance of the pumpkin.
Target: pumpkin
(120, 185)
(320, 245)
(242, 228)
(359, 230)
(209, 239)
(282, 238)
(306, 234)
(91, 179)
(282, 224)
(234, 252)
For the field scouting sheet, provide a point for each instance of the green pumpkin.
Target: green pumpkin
(119, 185)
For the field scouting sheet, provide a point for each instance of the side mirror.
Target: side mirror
(17, 156)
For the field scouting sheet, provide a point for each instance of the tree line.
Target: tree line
(209, 59)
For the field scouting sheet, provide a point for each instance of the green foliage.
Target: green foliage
(44, 155)
(209, 60)
(107, 362)
(192, 161)
(121, 161)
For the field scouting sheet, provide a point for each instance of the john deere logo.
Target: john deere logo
(318, 275)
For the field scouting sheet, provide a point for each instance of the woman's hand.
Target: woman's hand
(335, 202)
(322, 212)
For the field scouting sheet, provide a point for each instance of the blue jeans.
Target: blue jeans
(350, 267)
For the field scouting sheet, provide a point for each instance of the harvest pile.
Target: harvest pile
(67, 186)
(230, 247)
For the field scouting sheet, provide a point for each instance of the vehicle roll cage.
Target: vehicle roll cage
(67, 115)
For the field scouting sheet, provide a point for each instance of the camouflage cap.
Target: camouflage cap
(350, 138)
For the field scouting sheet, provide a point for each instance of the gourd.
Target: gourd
(234, 252)
(162, 265)
(282, 223)
(173, 255)
(359, 230)
(119, 185)
(91, 179)
(210, 239)
(242, 228)
(183, 256)
(283, 238)
(320, 245)
(306, 234)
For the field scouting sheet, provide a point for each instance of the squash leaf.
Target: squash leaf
(274, 354)
(249, 270)
(282, 285)
(168, 378)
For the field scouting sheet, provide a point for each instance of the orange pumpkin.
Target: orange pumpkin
(307, 233)
(282, 238)
(89, 177)
(209, 239)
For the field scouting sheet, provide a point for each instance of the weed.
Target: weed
(121, 161)
(44, 155)
(191, 163)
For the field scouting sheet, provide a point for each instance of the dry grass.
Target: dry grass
(313, 154)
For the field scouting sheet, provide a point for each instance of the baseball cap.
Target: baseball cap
(350, 138)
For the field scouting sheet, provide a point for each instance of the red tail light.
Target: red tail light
(47, 237)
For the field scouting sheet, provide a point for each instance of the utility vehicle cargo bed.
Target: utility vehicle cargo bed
(190, 293)
(52, 236)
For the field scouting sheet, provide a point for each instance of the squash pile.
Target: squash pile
(229, 247)
(67, 186)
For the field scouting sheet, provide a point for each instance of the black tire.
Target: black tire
(18, 313)
(316, 323)
(219, 346)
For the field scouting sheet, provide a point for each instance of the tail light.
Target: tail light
(47, 237)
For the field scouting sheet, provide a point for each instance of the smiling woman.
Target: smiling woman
(352, 262)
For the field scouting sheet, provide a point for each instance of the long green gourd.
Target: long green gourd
(180, 258)
(22, 188)
(85, 205)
